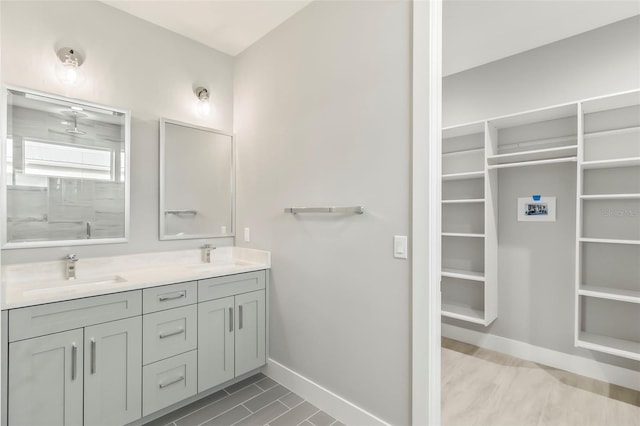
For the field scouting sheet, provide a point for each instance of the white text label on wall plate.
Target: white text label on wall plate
(400, 246)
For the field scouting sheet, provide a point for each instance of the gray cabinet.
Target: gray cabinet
(231, 337)
(88, 375)
(112, 373)
(109, 360)
(46, 380)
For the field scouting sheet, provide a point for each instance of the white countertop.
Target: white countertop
(30, 284)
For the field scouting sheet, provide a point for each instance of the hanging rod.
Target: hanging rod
(295, 210)
(181, 212)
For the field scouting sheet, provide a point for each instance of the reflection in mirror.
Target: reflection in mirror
(196, 182)
(65, 172)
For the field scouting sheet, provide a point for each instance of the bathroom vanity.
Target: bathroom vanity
(112, 349)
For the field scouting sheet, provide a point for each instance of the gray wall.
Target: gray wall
(536, 261)
(130, 64)
(599, 62)
(322, 117)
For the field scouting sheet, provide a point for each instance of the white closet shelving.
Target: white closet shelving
(469, 276)
(602, 136)
(607, 317)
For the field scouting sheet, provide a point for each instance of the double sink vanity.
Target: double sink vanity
(110, 349)
(122, 339)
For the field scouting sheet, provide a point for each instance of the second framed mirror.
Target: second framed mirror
(197, 188)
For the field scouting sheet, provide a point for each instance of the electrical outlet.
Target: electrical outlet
(247, 235)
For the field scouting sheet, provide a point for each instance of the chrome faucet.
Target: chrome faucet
(71, 266)
(206, 252)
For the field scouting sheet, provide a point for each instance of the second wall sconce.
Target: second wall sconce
(68, 70)
(202, 107)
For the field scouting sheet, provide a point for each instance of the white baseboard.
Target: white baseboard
(323, 398)
(563, 361)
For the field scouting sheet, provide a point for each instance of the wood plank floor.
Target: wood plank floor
(487, 388)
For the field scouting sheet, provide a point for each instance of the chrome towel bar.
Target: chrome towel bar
(181, 212)
(295, 210)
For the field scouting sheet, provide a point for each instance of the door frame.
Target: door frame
(425, 212)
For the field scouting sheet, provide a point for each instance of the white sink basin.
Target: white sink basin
(74, 285)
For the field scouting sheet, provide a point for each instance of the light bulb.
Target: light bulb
(203, 108)
(202, 104)
(68, 71)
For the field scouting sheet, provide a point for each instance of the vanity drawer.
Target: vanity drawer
(168, 333)
(169, 296)
(60, 316)
(216, 288)
(169, 381)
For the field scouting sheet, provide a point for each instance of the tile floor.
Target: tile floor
(255, 401)
(487, 388)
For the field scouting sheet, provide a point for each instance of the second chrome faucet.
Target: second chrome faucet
(206, 252)
(71, 266)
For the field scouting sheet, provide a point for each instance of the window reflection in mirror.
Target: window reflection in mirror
(65, 172)
(196, 182)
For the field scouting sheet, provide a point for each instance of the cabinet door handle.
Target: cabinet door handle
(93, 356)
(240, 319)
(177, 296)
(230, 320)
(74, 360)
(172, 382)
(171, 333)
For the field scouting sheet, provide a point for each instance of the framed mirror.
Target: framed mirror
(197, 194)
(65, 171)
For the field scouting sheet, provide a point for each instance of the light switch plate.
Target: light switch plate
(247, 235)
(400, 246)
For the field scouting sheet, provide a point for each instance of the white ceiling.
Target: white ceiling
(226, 25)
(476, 32)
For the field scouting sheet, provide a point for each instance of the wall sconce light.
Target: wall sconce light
(203, 106)
(68, 70)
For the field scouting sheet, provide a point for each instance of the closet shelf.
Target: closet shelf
(612, 132)
(619, 294)
(534, 155)
(462, 234)
(462, 274)
(462, 152)
(610, 345)
(461, 176)
(606, 164)
(610, 197)
(533, 163)
(609, 241)
(464, 201)
(464, 313)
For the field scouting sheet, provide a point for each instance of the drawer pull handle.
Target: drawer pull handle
(93, 356)
(173, 382)
(240, 315)
(230, 320)
(171, 333)
(173, 297)
(74, 360)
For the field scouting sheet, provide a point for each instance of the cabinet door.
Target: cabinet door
(45, 380)
(215, 342)
(113, 372)
(250, 331)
